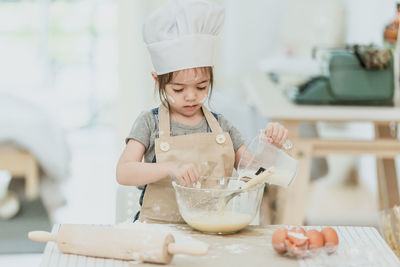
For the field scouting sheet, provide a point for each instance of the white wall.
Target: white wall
(136, 87)
(367, 18)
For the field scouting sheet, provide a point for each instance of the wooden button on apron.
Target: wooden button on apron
(164, 146)
(221, 139)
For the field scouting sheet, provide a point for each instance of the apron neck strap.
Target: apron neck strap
(211, 120)
(164, 121)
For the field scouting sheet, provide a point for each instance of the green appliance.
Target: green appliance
(351, 78)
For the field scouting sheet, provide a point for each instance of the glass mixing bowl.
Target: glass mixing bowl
(203, 205)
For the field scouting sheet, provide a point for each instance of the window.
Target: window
(63, 55)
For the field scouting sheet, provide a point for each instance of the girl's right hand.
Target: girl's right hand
(186, 174)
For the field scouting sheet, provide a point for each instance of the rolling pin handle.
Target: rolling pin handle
(198, 249)
(42, 236)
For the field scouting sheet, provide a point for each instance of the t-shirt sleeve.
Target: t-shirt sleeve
(141, 129)
(226, 126)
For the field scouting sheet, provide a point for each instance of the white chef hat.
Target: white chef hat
(181, 34)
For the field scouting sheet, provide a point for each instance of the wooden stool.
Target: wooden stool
(22, 164)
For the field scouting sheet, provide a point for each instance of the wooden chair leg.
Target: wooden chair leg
(32, 179)
(387, 183)
(386, 171)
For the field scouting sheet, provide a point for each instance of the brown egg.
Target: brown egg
(315, 240)
(331, 239)
(297, 236)
(278, 240)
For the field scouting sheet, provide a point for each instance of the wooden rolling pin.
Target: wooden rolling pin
(124, 243)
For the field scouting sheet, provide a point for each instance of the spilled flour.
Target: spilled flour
(236, 248)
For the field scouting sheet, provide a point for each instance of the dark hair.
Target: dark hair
(165, 79)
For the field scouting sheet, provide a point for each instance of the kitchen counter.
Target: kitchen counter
(359, 246)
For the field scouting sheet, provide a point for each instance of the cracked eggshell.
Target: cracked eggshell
(295, 250)
(297, 236)
(298, 229)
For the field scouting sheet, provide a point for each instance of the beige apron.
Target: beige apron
(212, 153)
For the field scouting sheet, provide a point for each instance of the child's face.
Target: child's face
(188, 90)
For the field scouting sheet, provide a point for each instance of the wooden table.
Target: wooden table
(273, 104)
(251, 247)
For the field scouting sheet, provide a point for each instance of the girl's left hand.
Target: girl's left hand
(276, 134)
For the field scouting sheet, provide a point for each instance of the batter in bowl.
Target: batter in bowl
(219, 223)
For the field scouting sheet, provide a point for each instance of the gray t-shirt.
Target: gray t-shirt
(145, 130)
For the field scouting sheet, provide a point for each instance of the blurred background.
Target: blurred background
(75, 74)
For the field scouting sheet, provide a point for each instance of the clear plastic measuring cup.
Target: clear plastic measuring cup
(261, 154)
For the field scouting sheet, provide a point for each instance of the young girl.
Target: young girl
(181, 139)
